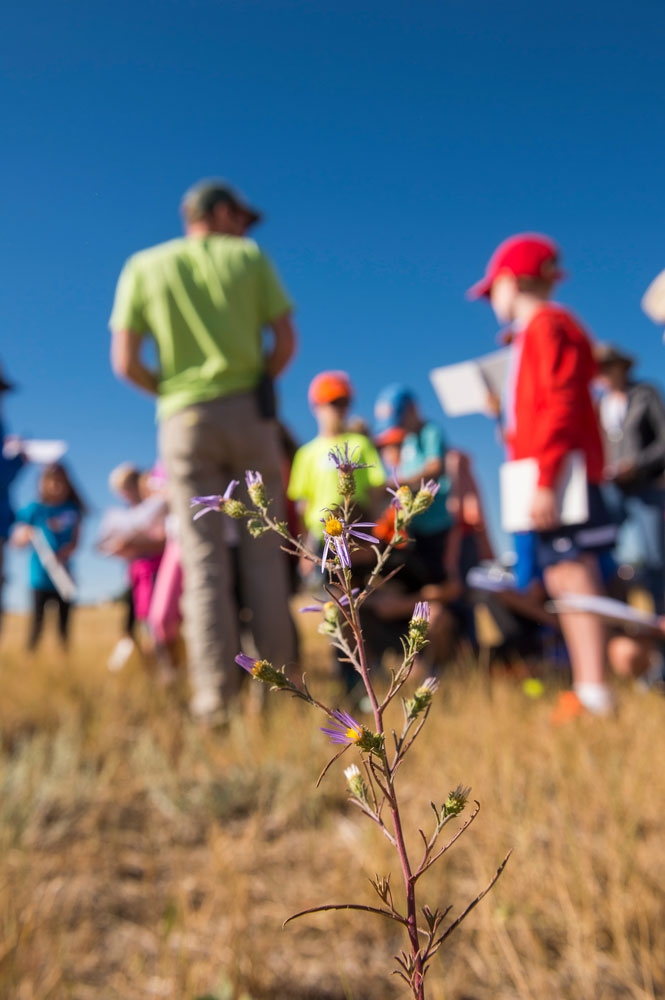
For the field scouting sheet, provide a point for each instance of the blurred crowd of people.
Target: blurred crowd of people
(206, 300)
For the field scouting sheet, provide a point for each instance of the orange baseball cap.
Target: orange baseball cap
(526, 255)
(328, 387)
(394, 435)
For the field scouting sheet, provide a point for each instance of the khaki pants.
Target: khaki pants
(204, 447)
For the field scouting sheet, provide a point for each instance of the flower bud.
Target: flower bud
(369, 742)
(264, 671)
(256, 489)
(346, 465)
(234, 508)
(403, 498)
(256, 528)
(456, 801)
(402, 502)
(356, 783)
(422, 698)
(425, 496)
(330, 621)
(346, 483)
(419, 625)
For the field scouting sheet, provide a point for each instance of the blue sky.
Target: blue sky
(392, 146)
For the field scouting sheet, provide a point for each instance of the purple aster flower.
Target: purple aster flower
(263, 670)
(347, 465)
(431, 486)
(213, 502)
(337, 531)
(425, 495)
(346, 730)
(246, 662)
(402, 497)
(421, 612)
(344, 460)
(419, 625)
(333, 529)
(430, 684)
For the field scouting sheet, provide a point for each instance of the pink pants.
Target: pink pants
(164, 614)
(142, 573)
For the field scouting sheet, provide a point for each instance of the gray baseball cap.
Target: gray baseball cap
(202, 197)
(610, 354)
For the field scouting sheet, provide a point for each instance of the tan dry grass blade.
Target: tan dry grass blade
(141, 857)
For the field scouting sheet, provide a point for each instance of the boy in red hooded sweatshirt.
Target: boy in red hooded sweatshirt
(550, 414)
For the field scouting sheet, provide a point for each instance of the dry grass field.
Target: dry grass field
(141, 857)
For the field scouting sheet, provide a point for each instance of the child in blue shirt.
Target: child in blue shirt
(56, 514)
(422, 456)
(9, 468)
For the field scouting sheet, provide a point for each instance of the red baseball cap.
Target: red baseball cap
(328, 387)
(526, 255)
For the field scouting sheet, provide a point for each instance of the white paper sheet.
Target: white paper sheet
(494, 369)
(463, 388)
(37, 451)
(518, 482)
(610, 610)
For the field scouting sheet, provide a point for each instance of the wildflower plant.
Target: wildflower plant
(371, 782)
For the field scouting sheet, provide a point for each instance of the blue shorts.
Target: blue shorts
(526, 567)
(570, 542)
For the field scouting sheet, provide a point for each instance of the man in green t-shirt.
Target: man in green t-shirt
(205, 300)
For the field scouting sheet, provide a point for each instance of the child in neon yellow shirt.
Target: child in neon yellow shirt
(313, 483)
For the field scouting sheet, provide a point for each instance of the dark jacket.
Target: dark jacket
(9, 467)
(642, 436)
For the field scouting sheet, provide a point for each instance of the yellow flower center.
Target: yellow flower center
(354, 734)
(333, 526)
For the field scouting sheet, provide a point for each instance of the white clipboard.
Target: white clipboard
(632, 620)
(493, 580)
(462, 389)
(61, 579)
(518, 482)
